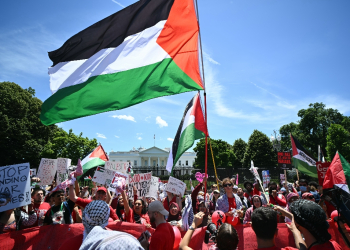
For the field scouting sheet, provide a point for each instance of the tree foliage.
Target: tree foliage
(222, 151)
(338, 138)
(260, 151)
(239, 148)
(68, 145)
(22, 135)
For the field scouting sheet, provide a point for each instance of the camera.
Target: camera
(212, 230)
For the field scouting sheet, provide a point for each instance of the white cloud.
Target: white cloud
(101, 136)
(170, 139)
(139, 138)
(138, 133)
(118, 3)
(116, 136)
(170, 101)
(147, 118)
(161, 122)
(211, 60)
(124, 117)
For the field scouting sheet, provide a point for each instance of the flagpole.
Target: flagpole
(205, 102)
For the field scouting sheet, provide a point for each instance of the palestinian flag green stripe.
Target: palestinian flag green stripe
(93, 163)
(305, 168)
(116, 91)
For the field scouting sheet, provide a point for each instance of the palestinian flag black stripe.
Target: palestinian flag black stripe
(112, 31)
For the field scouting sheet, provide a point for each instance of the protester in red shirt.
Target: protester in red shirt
(168, 200)
(164, 237)
(101, 195)
(40, 207)
(250, 191)
(274, 199)
(194, 195)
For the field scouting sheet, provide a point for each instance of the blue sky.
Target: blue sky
(264, 61)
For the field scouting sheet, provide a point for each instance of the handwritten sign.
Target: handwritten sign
(115, 181)
(284, 161)
(322, 168)
(141, 182)
(32, 172)
(153, 188)
(47, 170)
(62, 169)
(199, 176)
(176, 186)
(14, 186)
(121, 167)
(103, 176)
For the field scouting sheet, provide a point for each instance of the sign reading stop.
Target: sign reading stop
(322, 170)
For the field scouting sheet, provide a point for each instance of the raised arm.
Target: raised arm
(72, 195)
(126, 204)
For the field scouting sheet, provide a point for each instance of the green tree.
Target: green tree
(338, 138)
(239, 148)
(68, 145)
(260, 151)
(22, 135)
(222, 151)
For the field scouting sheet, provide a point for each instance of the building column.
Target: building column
(149, 161)
(158, 165)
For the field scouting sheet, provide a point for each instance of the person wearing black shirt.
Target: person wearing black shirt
(60, 212)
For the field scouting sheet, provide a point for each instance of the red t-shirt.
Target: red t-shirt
(83, 203)
(277, 248)
(40, 209)
(330, 245)
(163, 238)
(166, 203)
(74, 215)
(144, 218)
(232, 203)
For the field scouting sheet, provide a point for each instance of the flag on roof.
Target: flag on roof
(96, 158)
(147, 50)
(192, 127)
(302, 159)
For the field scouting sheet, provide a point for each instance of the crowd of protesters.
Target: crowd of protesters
(298, 204)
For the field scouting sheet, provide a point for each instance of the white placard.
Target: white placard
(62, 169)
(176, 186)
(153, 188)
(112, 187)
(47, 170)
(32, 172)
(103, 176)
(121, 167)
(14, 186)
(283, 179)
(142, 183)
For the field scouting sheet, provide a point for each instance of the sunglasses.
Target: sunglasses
(227, 185)
(138, 204)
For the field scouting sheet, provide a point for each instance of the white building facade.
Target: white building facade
(154, 159)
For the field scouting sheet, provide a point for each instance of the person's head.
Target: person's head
(120, 201)
(216, 195)
(139, 207)
(234, 189)
(58, 197)
(308, 196)
(291, 197)
(313, 185)
(214, 187)
(156, 212)
(264, 223)
(240, 192)
(174, 208)
(227, 237)
(228, 185)
(303, 185)
(283, 191)
(272, 186)
(202, 207)
(233, 179)
(96, 213)
(248, 185)
(38, 195)
(256, 200)
(309, 216)
(101, 194)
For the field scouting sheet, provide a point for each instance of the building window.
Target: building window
(146, 163)
(162, 163)
(186, 163)
(179, 163)
(135, 162)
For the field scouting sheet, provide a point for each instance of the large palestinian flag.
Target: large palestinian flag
(147, 50)
(302, 159)
(97, 157)
(192, 127)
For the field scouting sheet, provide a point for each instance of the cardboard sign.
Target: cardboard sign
(14, 186)
(121, 167)
(176, 186)
(322, 170)
(153, 188)
(103, 176)
(115, 181)
(284, 161)
(62, 169)
(32, 172)
(141, 181)
(47, 170)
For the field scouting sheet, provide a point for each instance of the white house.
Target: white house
(154, 159)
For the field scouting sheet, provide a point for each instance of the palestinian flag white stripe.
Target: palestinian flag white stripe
(136, 51)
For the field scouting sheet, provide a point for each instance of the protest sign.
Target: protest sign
(176, 186)
(121, 167)
(282, 178)
(32, 172)
(200, 176)
(284, 161)
(62, 169)
(103, 176)
(142, 183)
(14, 186)
(115, 181)
(153, 188)
(321, 170)
(47, 170)
(266, 178)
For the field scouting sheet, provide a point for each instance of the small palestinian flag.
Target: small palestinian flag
(192, 127)
(147, 50)
(336, 185)
(97, 157)
(302, 159)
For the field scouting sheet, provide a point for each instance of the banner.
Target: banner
(113, 185)
(153, 189)
(47, 170)
(321, 170)
(62, 169)
(142, 183)
(14, 186)
(284, 161)
(32, 172)
(121, 167)
(176, 186)
(103, 176)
